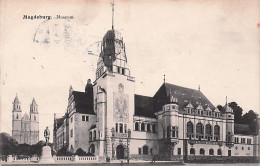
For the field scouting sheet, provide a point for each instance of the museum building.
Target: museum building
(110, 120)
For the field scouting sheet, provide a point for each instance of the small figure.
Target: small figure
(47, 135)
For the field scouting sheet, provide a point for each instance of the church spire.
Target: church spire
(113, 4)
(16, 104)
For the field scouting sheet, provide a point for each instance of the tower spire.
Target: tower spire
(226, 100)
(113, 4)
(164, 78)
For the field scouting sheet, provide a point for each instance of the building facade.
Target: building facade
(110, 120)
(25, 128)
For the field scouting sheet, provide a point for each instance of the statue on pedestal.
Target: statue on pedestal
(47, 135)
(46, 150)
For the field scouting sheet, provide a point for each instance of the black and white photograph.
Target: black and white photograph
(130, 82)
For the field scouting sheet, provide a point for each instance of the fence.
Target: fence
(57, 159)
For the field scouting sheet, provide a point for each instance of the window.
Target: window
(219, 152)
(199, 128)
(168, 132)
(153, 128)
(192, 151)
(236, 140)
(123, 71)
(173, 132)
(242, 148)
(151, 151)
(140, 151)
(248, 141)
(16, 116)
(118, 70)
(125, 128)
(34, 118)
(83, 118)
(248, 148)
(208, 129)
(190, 127)
(216, 130)
(94, 135)
(116, 127)
(142, 126)
(71, 119)
(136, 126)
(173, 106)
(87, 118)
(243, 140)
(71, 133)
(148, 127)
(202, 151)
(145, 149)
(121, 128)
(179, 151)
(211, 152)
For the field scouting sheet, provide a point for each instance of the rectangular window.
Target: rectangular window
(116, 127)
(123, 71)
(87, 118)
(179, 151)
(140, 151)
(125, 128)
(71, 133)
(121, 128)
(71, 119)
(248, 141)
(118, 70)
(83, 118)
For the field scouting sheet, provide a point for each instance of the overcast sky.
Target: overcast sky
(214, 44)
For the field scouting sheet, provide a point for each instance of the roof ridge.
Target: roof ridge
(144, 95)
(182, 87)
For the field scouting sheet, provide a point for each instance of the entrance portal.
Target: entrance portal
(120, 152)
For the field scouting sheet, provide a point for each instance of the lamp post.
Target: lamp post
(128, 142)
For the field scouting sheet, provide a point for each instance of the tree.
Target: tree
(221, 109)
(237, 112)
(80, 152)
(250, 118)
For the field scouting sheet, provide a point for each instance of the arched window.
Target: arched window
(202, 151)
(16, 116)
(34, 118)
(219, 152)
(148, 127)
(154, 128)
(211, 152)
(192, 151)
(142, 126)
(208, 129)
(94, 135)
(136, 126)
(145, 149)
(199, 128)
(189, 127)
(216, 130)
(125, 128)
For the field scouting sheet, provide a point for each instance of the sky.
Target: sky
(211, 44)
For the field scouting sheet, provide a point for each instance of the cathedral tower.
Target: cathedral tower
(34, 119)
(16, 119)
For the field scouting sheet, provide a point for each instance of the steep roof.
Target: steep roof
(242, 129)
(144, 106)
(59, 121)
(81, 103)
(184, 96)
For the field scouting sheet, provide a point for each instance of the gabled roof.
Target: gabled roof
(144, 106)
(184, 96)
(82, 103)
(242, 129)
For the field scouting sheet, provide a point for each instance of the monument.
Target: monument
(46, 150)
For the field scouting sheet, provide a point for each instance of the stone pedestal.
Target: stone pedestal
(46, 155)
